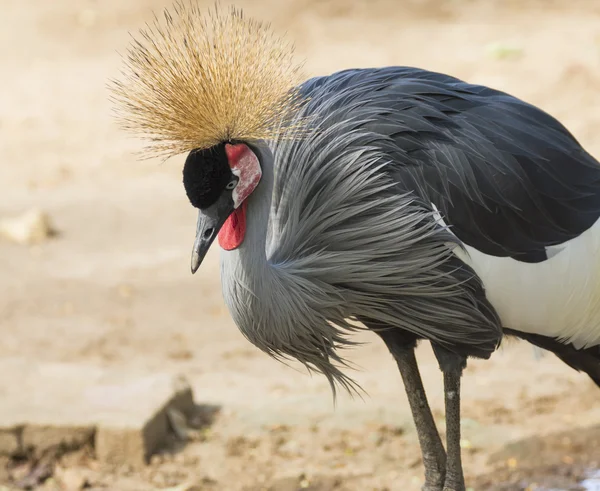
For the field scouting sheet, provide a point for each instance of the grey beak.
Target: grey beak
(206, 231)
(210, 221)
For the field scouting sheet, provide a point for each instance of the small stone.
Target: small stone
(72, 479)
(31, 227)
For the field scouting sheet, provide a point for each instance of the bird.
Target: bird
(393, 199)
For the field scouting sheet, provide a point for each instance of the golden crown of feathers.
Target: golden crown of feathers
(193, 80)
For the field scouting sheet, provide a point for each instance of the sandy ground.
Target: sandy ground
(114, 288)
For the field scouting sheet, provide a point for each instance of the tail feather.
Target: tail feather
(583, 360)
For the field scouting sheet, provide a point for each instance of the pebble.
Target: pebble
(31, 227)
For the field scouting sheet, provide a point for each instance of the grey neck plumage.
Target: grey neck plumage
(246, 275)
(272, 303)
(250, 258)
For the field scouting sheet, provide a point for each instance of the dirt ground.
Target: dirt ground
(114, 287)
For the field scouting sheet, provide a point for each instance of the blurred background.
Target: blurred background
(95, 248)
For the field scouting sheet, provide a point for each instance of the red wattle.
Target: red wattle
(233, 230)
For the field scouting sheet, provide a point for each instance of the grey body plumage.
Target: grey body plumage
(353, 232)
(320, 270)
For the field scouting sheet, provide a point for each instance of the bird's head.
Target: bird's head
(217, 182)
(212, 85)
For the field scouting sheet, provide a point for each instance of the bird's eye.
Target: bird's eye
(231, 184)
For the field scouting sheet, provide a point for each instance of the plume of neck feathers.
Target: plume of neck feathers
(193, 80)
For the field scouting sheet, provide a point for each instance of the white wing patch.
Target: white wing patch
(559, 297)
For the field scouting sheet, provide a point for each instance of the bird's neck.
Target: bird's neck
(251, 252)
(245, 271)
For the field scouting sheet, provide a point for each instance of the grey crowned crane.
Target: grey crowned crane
(405, 201)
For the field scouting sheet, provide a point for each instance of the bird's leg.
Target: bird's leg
(402, 346)
(455, 480)
(452, 366)
(434, 456)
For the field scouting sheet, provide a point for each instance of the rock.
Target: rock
(28, 228)
(123, 415)
(136, 438)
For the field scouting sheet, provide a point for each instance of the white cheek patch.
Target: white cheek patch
(235, 193)
(247, 168)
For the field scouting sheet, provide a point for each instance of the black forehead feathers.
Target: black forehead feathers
(205, 174)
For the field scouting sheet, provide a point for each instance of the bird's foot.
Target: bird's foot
(454, 483)
(435, 470)
(431, 487)
(434, 480)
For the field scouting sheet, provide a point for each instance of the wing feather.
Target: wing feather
(508, 177)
